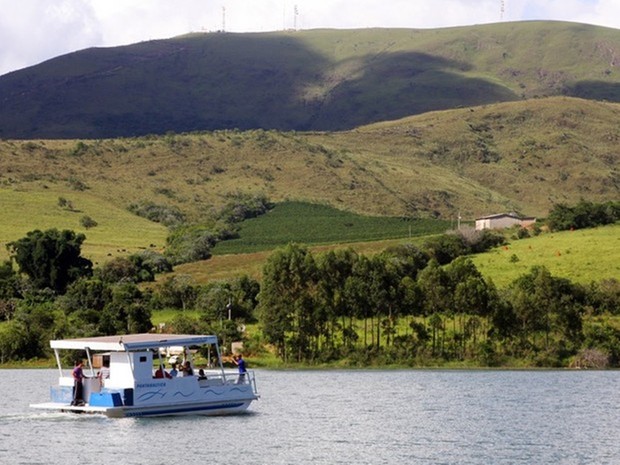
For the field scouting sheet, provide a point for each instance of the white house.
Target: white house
(503, 220)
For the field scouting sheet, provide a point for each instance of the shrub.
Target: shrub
(190, 243)
(166, 215)
(242, 206)
(88, 222)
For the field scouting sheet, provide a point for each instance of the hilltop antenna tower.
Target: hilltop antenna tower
(502, 9)
(295, 15)
(223, 19)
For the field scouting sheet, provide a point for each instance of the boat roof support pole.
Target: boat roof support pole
(90, 362)
(160, 361)
(58, 362)
(219, 361)
(130, 361)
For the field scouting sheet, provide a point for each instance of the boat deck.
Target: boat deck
(69, 408)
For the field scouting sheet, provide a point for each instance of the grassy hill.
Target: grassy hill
(522, 156)
(582, 256)
(117, 233)
(305, 80)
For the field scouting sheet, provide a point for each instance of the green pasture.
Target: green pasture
(313, 224)
(582, 256)
(118, 232)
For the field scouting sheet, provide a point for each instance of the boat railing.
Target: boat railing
(231, 377)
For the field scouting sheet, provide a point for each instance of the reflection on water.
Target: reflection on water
(340, 417)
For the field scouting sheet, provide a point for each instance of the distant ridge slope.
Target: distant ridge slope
(306, 80)
(512, 156)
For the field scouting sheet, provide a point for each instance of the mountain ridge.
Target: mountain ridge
(304, 80)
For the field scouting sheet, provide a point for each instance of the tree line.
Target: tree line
(408, 305)
(403, 307)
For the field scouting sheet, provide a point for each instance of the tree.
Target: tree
(583, 215)
(190, 243)
(408, 258)
(435, 284)
(86, 294)
(605, 296)
(334, 268)
(357, 290)
(152, 262)
(178, 292)
(126, 312)
(117, 270)
(385, 295)
(212, 301)
(549, 304)
(446, 247)
(51, 258)
(287, 299)
(9, 281)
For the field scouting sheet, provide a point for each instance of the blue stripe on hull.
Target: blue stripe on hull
(180, 410)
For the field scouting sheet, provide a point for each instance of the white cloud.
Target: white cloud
(598, 12)
(35, 30)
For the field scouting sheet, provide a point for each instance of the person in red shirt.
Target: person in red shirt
(162, 373)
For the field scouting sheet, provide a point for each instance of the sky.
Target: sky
(32, 31)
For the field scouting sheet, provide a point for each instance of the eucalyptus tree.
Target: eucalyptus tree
(233, 299)
(178, 291)
(287, 301)
(388, 294)
(547, 304)
(334, 269)
(212, 302)
(357, 292)
(403, 264)
(244, 292)
(436, 287)
(471, 297)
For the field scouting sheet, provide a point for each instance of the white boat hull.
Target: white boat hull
(210, 409)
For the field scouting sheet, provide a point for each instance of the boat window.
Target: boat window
(142, 358)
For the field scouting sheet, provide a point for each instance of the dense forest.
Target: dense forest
(409, 305)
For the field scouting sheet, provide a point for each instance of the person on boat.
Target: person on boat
(78, 385)
(162, 373)
(238, 360)
(104, 373)
(187, 369)
(201, 374)
(174, 372)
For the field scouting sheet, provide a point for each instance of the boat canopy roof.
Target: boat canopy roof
(132, 342)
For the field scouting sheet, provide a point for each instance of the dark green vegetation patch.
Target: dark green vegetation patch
(317, 224)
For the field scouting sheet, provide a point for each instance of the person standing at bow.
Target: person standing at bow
(238, 360)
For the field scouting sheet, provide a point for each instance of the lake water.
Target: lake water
(340, 417)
